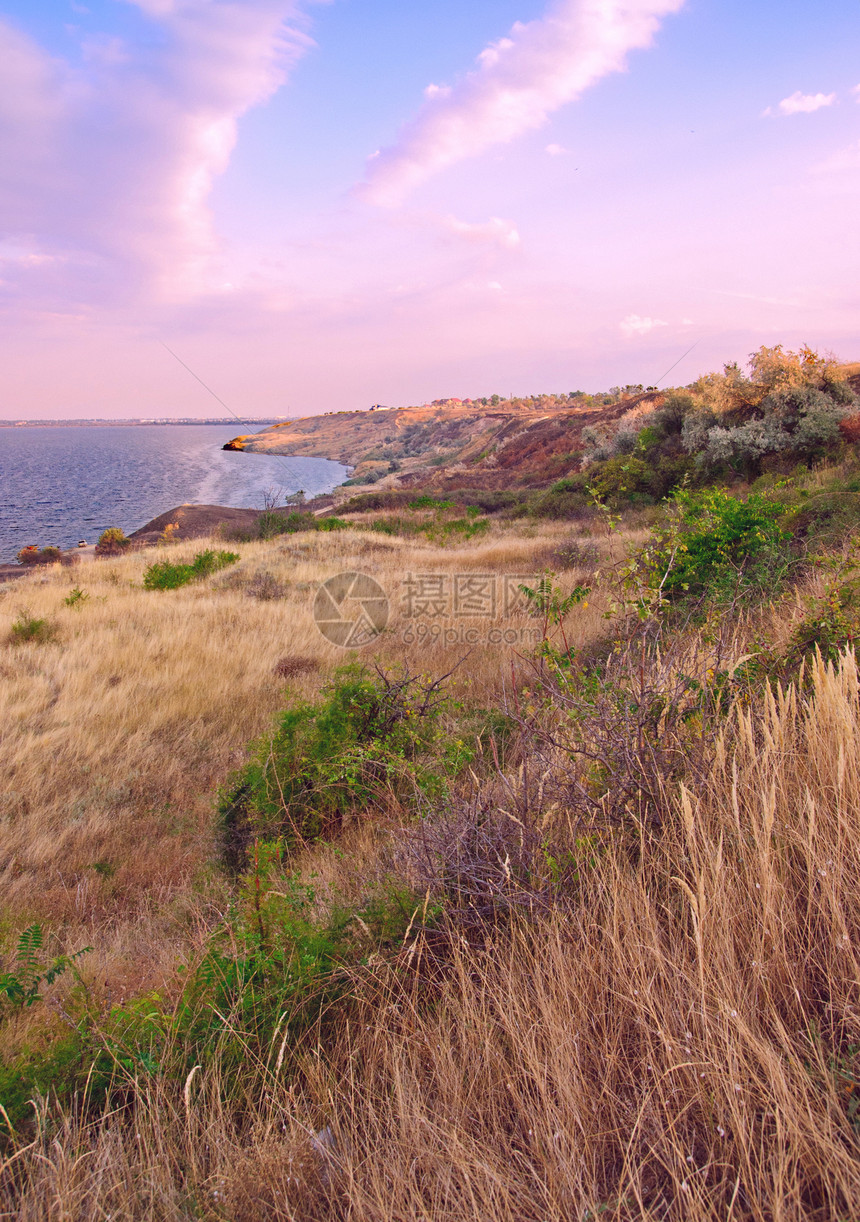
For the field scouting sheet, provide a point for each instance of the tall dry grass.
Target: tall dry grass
(115, 735)
(679, 1039)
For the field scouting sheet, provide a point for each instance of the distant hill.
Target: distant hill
(448, 446)
(451, 444)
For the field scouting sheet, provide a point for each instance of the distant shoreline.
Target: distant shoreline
(140, 421)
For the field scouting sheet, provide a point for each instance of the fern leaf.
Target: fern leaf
(29, 944)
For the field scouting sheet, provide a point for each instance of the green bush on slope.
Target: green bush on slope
(367, 740)
(167, 576)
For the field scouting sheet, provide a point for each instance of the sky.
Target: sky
(319, 205)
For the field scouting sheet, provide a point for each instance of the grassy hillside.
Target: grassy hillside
(541, 905)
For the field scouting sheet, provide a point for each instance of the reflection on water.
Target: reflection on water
(62, 484)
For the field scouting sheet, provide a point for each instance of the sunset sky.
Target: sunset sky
(324, 205)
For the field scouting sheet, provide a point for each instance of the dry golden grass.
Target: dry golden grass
(682, 1040)
(114, 737)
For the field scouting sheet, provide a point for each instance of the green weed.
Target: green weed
(23, 986)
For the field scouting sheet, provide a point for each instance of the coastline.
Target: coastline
(187, 521)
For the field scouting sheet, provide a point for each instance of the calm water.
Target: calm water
(59, 485)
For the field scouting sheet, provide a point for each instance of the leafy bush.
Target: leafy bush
(112, 542)
(167, 576)
(832, 622)
(470, 527)
(568, 498)
(206, 563)
(54, 1071)
(365, 741)
(36, 555)
(440, 529)
(27, 629)
(272, 523)
(430, 502)
(271, 969)
(487, 500)
(714, 543)
(625, 474)
(275, 958)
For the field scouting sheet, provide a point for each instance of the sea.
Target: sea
(60, 484)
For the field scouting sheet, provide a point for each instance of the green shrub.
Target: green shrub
(430, 502)
(57, 1071)
(714, 544)
(36, 555)
(112, 542)
(620, 477)
(271, 523)
(206, 563)
(440, 529)
(368, 739)
(827, 512)
(273, 968)
(167, 576)
(488, 501)
(369, 501)
(27, 629)
(568, 498)
(274, 957)
(832, 622)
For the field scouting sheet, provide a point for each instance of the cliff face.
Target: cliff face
(445, 447)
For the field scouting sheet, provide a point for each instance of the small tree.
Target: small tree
(112, 542)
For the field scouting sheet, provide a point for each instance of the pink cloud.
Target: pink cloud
(634, 324)
(519, 82)
(495, 231)
(110, 165)
(802, 103)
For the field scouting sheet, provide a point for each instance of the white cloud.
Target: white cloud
(494, 231)
(518, 83)
(802, 103)
(856, 92)
(110, 165)
(633, 324)
(555, 150)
